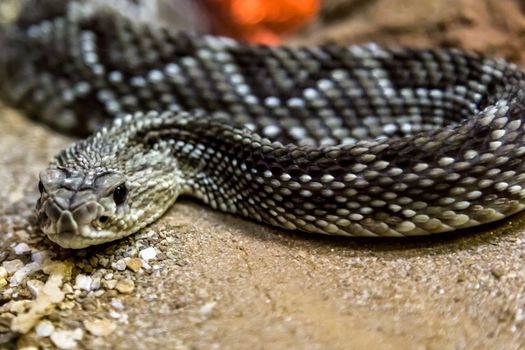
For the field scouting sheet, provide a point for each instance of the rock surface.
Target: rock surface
(215, 280)
(491, 26)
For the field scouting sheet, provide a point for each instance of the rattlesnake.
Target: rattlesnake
(357, 141)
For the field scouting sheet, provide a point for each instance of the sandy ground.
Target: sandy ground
(218, 281)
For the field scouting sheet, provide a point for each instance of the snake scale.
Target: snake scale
(356, 141)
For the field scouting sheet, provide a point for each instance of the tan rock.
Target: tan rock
(100, 327)
(11, 266)
(34, 286)
(134, 264)
(49, 295)
(67, 339)
(125, 286)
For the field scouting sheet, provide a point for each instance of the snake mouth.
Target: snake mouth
(71, 240)
(76, 227)
(84, 236)
(80, 237)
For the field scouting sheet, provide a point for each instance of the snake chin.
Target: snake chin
(71, 240)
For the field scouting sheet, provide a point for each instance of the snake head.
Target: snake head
(107, 186)
(77, 209)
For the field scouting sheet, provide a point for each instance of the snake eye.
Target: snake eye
(120, 193)
(40, 187)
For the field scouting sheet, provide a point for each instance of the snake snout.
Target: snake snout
(66, 223)
(71, 221)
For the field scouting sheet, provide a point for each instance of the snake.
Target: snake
(357, 140)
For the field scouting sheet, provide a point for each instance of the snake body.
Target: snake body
(356, 141)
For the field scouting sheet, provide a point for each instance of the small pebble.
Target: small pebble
(103, 261)
(44, 328)
(83, 282)
(134, 264)
(67, 339)
(39, 257)
(100, 328)
(66, 305)
(207, 308)
(125, 286)
(115, 315)
(12, 266)
(111, 284)
(67, 289)
(130, 252)
(34, 286)
(148, 254)
(93, 261)
(497, 272)
(23, 272)
(99, 293)
(119, 265)
(117, 304)
(21, 248)
(95, 284)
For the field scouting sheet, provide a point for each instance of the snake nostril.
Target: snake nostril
(103, 219)
(43, 217)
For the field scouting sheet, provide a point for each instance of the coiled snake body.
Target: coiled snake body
(358, 141)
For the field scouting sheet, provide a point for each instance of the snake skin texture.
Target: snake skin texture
(356, 141)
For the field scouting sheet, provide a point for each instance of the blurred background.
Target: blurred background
(495, 27)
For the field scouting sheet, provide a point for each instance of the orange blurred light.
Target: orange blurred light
(261, 21)
(248, 11)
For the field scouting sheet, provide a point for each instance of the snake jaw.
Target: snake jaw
(72, 241)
